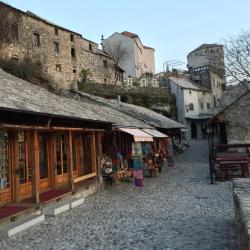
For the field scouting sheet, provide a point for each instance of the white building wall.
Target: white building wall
(129, 63)
(148, 57)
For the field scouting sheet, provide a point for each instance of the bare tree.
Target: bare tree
(237, 58)
(119, 52)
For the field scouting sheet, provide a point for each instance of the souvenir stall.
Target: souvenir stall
(126, 153)
(157, 152)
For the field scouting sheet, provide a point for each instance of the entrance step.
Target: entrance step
(20, 225)
(58, 208)
(76, 202)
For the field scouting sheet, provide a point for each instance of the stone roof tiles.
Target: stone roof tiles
(188, 84)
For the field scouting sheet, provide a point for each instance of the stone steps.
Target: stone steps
(20, 225)
(55, 209)
(76, 202)
(35, 218)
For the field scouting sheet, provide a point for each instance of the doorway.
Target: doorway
(193, 130)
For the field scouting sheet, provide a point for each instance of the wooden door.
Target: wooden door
(61, 175)
(44, 163)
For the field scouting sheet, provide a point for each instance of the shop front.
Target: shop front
(33, 162)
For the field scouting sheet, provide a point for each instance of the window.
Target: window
(208, 106)
(56, 31)
(61, 154)
(56, 47)
(105, 64)
(58, 67)
(90, 47)
(203, 93)
(14, 59)
(4, 164)
(73, 53)
(191, 106)
(190, 92)
(37, 40)
(74, 71)
(25, 170)
(43, 160)
(72, 38)
(105, 80)
(202, 106)
(14, 32)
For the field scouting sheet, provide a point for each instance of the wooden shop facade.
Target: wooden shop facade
(49, 144)
(49, 154)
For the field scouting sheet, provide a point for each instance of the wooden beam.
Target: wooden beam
(45, 128)
(94, 158)
(84, 177)
(34, 161)
(70, 160)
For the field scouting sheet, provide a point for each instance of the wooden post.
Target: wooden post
(94, 153)
(70, 160)
(15, 166)
(34, 160)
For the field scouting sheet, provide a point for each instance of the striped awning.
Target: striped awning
(139, 135)
(155, 133)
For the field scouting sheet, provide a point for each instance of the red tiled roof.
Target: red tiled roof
(146, 47)
(129, 34)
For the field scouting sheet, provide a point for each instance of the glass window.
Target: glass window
(61, 154)
(4, 166)
(43, 163)
(191, 106)
(25, 171)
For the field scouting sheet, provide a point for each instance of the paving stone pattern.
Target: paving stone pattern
(179, 209)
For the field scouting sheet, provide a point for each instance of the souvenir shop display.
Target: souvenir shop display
(170, 153)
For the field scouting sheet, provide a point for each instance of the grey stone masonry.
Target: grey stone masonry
(241, 188)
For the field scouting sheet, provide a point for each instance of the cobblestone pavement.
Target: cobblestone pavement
(179, 209)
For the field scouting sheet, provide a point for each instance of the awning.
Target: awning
(155, 133)
(138, 134)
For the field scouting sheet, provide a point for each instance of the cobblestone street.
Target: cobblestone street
(179, 209)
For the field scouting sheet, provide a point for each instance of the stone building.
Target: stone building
(207, 68)
(60, 54)
(138, 59)
(232, 122)
(194, 105)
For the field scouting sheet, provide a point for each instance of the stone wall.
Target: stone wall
(237, 118)
(61, 53)
(241, 191)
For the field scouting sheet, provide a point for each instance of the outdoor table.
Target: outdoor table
(226, 163)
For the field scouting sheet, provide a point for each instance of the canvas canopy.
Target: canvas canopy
(155, 133)
(138, 134)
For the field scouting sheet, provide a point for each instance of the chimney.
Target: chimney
(102, 39)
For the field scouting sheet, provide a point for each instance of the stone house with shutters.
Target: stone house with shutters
(59, 53)
(194, 105)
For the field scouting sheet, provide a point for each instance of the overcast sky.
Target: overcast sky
(172, 27)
